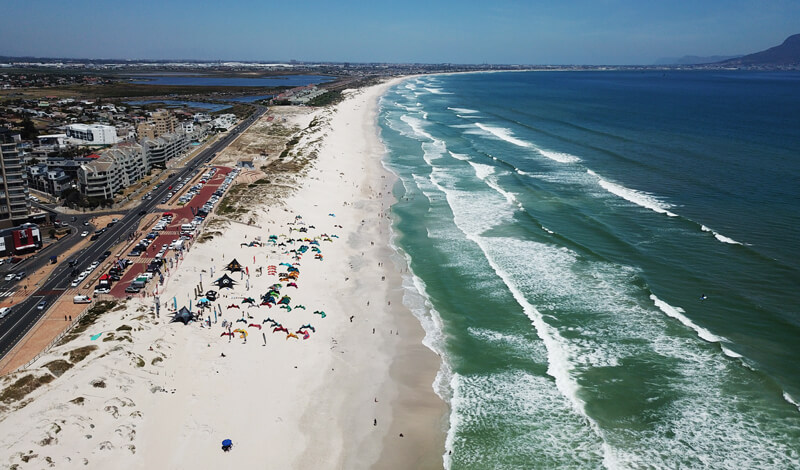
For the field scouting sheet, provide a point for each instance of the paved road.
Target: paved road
(25, 314)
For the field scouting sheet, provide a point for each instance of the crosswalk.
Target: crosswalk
(7, 293)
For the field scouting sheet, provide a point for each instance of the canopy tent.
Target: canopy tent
(225, 282)
(234, 266)
(183, 315)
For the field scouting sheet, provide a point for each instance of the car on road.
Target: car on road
(42, 305)
(20, 276)
(102, 290)
(9, 276)
(4, 311)
(85, 222)
(84, 233)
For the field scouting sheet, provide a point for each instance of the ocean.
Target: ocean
(607, 262)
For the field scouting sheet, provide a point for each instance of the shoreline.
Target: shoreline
(153, 393)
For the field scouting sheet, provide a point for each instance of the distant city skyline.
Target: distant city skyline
(589, 32)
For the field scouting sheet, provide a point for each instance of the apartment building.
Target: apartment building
(160, 122)
(164, 148)
(112, 171)
(48, 179)
(14, 205)
(92, 134)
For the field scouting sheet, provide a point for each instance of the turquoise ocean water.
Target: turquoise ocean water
(563, 229)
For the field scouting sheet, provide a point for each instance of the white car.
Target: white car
(84, 233)
(102, 290)
(75, 282)
(9, 276)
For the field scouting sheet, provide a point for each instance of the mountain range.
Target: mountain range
(784, 55)
(787, 54)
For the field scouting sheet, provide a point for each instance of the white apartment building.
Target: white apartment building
(92, 134)
(162, 149)
(114, 170)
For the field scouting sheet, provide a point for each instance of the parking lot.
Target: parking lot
(174, 232)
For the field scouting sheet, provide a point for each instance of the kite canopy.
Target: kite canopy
(225, 282)
(183, 315)
(227, 442)
(234, 266)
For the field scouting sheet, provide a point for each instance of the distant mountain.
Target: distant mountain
(694, 60)
(787, 54)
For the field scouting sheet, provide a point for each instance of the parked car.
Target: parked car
(20, 276)
(132, 290)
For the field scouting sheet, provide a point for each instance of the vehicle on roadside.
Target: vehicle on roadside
(75, 283)
(81, 299)
(102, 290)
(132, 290)
(20, 275)
(84, 233)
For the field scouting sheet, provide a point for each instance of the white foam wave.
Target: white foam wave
(637, 197)
(481, 170)
(459, 156)
(730, 353)
(547, 230)
(415, 297)
(503, 134)
(559, 156)
(678, 314)
(720, 236)
(463, 110)
(417, 126)
(791, 400)
(436, 91)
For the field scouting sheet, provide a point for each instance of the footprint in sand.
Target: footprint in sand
(106, 445)
(113, 410)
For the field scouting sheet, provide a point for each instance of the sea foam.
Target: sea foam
(719, 236)
(503, 134)
(637, 197)
(679, 314)
(463, 110)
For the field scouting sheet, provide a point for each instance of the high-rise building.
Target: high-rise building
(14, 204)
(160, 122)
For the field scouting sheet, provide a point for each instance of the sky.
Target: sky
(592, 32)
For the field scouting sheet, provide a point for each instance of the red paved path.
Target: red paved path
(183, 215)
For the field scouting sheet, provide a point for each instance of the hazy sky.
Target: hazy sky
(431, 31)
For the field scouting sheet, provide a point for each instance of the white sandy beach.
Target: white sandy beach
(339, 399)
